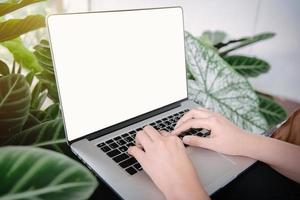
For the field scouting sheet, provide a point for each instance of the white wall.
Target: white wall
(240, 18)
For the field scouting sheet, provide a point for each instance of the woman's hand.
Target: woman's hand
(225, 137)
(164, 159)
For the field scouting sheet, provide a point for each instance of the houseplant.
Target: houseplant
(26, 119)
(31, 172)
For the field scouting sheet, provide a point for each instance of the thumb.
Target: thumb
(197, 141)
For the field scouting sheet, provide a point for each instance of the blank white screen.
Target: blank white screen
(113, 66)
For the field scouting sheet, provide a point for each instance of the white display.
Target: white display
(113, 66)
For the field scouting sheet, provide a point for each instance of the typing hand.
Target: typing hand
(225, 137)
(164, 159)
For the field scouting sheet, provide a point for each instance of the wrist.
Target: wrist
(251, 145)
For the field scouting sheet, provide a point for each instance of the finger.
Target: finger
(142, 139)
(197, 141)
(164, 133)
(192, 123)
(195, 113)
(137, 153)
(152, 133)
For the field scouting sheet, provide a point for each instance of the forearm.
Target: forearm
(282, 156)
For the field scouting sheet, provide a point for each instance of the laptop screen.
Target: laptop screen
(113, 66)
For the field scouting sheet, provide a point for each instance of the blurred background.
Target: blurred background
(238, 18)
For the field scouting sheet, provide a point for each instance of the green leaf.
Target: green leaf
(12, 6)
(38, 96)
(4, 70)
(237, 44)
(22, 55)
(47, 77)
(271, 110)
(49, 134)
(29, 77)
(213, 37)
(34, 173)
(13, 28)
(53, 111)
(14, 104)
(219, 88)
(247, 66)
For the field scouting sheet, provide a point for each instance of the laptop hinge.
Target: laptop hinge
(131, 121)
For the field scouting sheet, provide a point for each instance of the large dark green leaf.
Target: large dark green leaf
(48, 134)
(13, 28)
(34, 173)
(247, 66)
(271, 110)
(218, 87)
(14, 103)
(236, 44)
(47, 77)
(22, 55)
(4, 70)
(10, 6)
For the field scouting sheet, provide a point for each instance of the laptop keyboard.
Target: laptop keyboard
(117, 147)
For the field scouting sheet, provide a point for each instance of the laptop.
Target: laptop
(117, 72)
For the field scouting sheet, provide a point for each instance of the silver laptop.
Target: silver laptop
(117, 72)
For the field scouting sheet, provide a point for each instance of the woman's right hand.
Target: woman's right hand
(225, 137)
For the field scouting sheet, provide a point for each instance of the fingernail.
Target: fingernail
(186, 139)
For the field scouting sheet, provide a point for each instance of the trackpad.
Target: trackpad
(210, 165)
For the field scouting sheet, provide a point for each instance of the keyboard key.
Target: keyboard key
(128, 139)
(105, 148)
(128, 162)
(125, 135)
(121, 142)
(113, 145)
(131, 132)
(117, 138)
(129, 144)
(120, 157)
(109, 141)
(164, 119)
(113, 153)
(152, 124)
(101, 144)
(123, 148)
(131, 170)
(158, 121)
(138, 129)
(138, 166)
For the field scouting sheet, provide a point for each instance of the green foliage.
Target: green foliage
(10, 6)
(13, 28)
(4, 70)
(30, 172)
(247, 66)
(34, 173)
(48, 134)
(213, 38)
(272, 111)
(14, 104)
(22, 55)
(221, 89)
(46, 76)
(237, 44)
